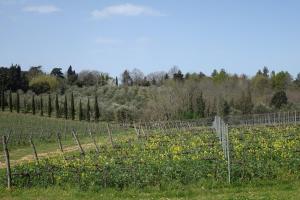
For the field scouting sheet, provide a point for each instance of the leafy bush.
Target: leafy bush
(43, 83)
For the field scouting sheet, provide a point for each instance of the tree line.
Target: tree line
(157, 95)
(50, 105)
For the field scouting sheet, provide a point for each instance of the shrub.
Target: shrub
(43, 84)
(279, 99)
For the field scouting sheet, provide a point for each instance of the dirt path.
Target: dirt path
(30, 157)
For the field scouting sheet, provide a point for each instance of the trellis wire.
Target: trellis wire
(221, 129)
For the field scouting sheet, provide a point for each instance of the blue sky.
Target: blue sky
(152, 35)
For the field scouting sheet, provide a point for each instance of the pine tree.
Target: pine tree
(33, 105)
(56, 106)
(66, 107)
(80, 111)
(88, 116)
(72, 107)
(10, 101)
(96, 109)
(2, 100)
(42, 105)
(49, 106)
(18, 102)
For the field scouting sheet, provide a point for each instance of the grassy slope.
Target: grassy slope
(270, 190)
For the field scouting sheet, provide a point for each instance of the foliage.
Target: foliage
(66, 107)
(183, 157)
(10, 101)
(281, 80)
(279, 99)
(57, 72)
(72, 107)
(43, 84)
(49, 105)
(41, 106)
(33, 105)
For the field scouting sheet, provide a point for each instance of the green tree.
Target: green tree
(18, 102)
(2, 100)
(49, 105)
(88, 116)
(72, 107)
(71, 76)
(56, 106)
(279, 99)
(281, 80)
(66, 107)
(10, 101)
(33, 105)
(41, 105)
(80, 114)
(96, 109)
(57, 73)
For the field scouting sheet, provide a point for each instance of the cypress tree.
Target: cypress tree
(117, 81)
(80, 111)
(56, 106)
(10, 101)
(96, 109)
(24, 104)
(2, 100)
(42, 105)
(72, 107)
(33, 105)
(88, 117)
(66, 108)
(49, 106)
(18, 102)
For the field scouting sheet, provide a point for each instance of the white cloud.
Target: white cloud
(42, 9)
(125, 10)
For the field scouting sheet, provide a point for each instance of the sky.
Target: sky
(240, 36)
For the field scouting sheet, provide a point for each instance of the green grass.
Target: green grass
(269, 190)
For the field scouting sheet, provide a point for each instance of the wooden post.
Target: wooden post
(7, 161)
(94, 141)
(78, 142)
(34, 150)
(144, 133)
(110, 136)
(136, 131)
(59, 142)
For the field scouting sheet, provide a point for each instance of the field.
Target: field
(126, 161)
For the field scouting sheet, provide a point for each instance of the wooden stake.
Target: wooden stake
(78, 142)
(94, 141)
(34, 150)
(59, 142)
(136, 131)
(7, 161)
(110, 136)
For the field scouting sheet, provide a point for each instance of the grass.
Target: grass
(264, 191)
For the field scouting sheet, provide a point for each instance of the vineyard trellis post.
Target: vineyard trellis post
(78, 142)
(34, 150)
(59, 143)
(221, 129)
(7, 161)
(94, 141)
(110, 136)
